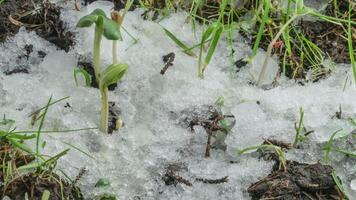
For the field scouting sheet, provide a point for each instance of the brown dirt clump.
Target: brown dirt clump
(40, 16)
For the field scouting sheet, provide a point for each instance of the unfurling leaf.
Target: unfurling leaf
(93, 17)
(111, 29)
(112, 74)
(87, 21)
(85, 74)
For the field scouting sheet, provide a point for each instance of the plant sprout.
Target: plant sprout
(298, 129)
(113, 73)
(279, 151)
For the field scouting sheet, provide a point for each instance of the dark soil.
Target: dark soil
(34, 185)
(8, 153)
(115, 122)
(22, 58)
(118, 4)
(37, 15)
(300, 181)
(88, 66)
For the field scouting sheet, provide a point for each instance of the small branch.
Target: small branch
(224, 179)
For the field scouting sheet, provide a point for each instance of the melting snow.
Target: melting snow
(134, 159)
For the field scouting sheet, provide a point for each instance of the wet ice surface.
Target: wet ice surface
(135, 159)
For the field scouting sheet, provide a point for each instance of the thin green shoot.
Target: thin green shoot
(267, 6)
(40, 128)
(56, 131)
(349, 41)
(286, 33)
(213, 45)
(180, 43)
(299, 128)
(74, 147)
(213, 32)
(279, 151)
(329, 146)
(52, 103)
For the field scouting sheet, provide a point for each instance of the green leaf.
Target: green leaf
(181, 44)
(112, 74)
(20, 145)
(98, 12)
(214, 43)
(93, 17)
(111, 29)
(102, 183)
(87, 21)
(84, 73)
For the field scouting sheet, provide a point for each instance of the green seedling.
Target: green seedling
(299, 128)
(85, 74)
(279, 151)
(328, 146)
(110, 29)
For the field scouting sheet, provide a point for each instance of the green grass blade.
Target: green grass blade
(40, 127)
(329, 145)
(267, 6)
(350, 40)
(213, 45)
(52, 103)
(20, 145)
(56, 131)
(180, 43)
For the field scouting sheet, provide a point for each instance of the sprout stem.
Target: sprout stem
(104, 109)
(96, 52)
(114, 52)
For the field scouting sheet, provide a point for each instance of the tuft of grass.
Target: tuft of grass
(261, 30)
(279, 151)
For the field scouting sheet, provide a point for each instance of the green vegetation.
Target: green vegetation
(277, 149)
(113, 73)
(20, 163)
